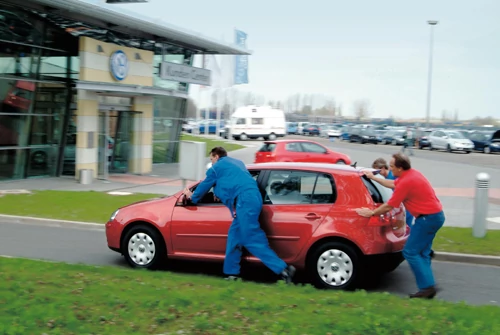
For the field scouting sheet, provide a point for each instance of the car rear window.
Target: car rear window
(267, 147)
(380, 194)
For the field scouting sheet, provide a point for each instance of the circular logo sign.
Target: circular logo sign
(118, 63)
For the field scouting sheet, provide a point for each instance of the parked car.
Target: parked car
(394, 137)
(291, 128)
(363, 135)
(311, 130)
(298, 151)
(300, 127)
(330, 131)
(486, 141)
(422, 138)
(308, 215)
(450, 140)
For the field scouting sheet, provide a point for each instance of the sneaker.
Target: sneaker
(232, 278)
(288, 274)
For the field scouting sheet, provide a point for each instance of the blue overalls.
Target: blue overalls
(237, 189)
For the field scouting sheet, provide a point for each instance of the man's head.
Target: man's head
(217, 153)
(399, 164)
(381, 164)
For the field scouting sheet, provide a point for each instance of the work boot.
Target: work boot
(288, 274)
(426, 293)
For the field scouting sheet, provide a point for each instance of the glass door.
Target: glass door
(103, 145)
(122, 130)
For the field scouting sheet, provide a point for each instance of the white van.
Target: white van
(252, 122)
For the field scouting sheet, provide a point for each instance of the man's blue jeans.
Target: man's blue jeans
(418, 247)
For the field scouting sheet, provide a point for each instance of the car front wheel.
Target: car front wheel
(334, 265)
(143, 247)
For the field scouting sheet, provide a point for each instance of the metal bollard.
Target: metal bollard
(479, 225)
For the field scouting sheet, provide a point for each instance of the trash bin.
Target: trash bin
(85, 176)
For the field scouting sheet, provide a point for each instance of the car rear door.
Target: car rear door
(295, 204)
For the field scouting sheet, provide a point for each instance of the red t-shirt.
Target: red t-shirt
(416, 193)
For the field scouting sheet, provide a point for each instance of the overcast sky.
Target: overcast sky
(375, 50)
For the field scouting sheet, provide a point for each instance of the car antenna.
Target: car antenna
(354, 165)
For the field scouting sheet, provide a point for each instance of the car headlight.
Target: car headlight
(113, 216)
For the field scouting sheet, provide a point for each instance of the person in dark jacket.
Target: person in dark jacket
(239, 192)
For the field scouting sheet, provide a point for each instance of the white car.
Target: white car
(330, 131)
(450, 140)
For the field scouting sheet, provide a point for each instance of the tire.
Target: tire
(341, 162)
(468, 152)
(394, 142)
(448, 148)
(143, 247)
(243, 137)
(337, 261)
(272, 137)
(487, 150)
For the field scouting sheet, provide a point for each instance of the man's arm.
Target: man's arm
(384, 182)
(204, 186)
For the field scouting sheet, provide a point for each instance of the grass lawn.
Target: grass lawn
(160, 148)
(68, 205)
(56, 298)
(461, 240)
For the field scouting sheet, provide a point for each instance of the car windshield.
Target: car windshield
(456, 135)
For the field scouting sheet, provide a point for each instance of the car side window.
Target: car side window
(311, 147)
(298, 187)
(293, 146)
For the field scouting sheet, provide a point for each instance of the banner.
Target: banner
(241, 63)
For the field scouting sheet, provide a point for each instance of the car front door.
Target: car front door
(200, 231)
(315, 153)
(295, 204)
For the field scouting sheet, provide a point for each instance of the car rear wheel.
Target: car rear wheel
(272, 136)
(334, 265)
(486, 150)
(143, 247)
(243, 137)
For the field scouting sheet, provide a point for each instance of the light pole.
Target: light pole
(432, 23)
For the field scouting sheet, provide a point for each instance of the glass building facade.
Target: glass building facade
(39, 66)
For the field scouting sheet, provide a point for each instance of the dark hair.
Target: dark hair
(380, 163)
(401, 161)
(219, 151)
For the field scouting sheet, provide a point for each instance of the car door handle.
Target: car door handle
(312, 216)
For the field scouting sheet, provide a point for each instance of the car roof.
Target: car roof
(288, 141)
(324, 167)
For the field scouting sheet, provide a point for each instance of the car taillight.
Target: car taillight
(380, 221)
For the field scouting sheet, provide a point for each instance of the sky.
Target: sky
(358, 50)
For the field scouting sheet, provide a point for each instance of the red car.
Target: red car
(298, 151)
(308, 215)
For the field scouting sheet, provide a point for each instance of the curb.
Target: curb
(34, 220)
(439, 255)
(467, 258)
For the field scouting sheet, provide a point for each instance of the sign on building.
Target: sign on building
(185, 74)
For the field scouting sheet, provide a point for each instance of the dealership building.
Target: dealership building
(92, 87)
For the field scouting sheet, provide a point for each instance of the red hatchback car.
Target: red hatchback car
(298, 151)
(308, 216)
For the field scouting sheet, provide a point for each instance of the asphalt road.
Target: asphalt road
(86, 244)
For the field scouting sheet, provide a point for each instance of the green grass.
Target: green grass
(68, 205)
(461, 240)
(56, 298)
(160, 148)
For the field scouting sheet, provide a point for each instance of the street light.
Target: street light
(432, 23)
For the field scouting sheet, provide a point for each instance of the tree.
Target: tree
(362, 109)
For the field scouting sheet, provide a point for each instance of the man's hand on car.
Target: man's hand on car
(187, 193)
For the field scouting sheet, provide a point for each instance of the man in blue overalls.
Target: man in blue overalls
(237, 189)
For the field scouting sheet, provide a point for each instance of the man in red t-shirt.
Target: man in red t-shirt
(416, 193)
